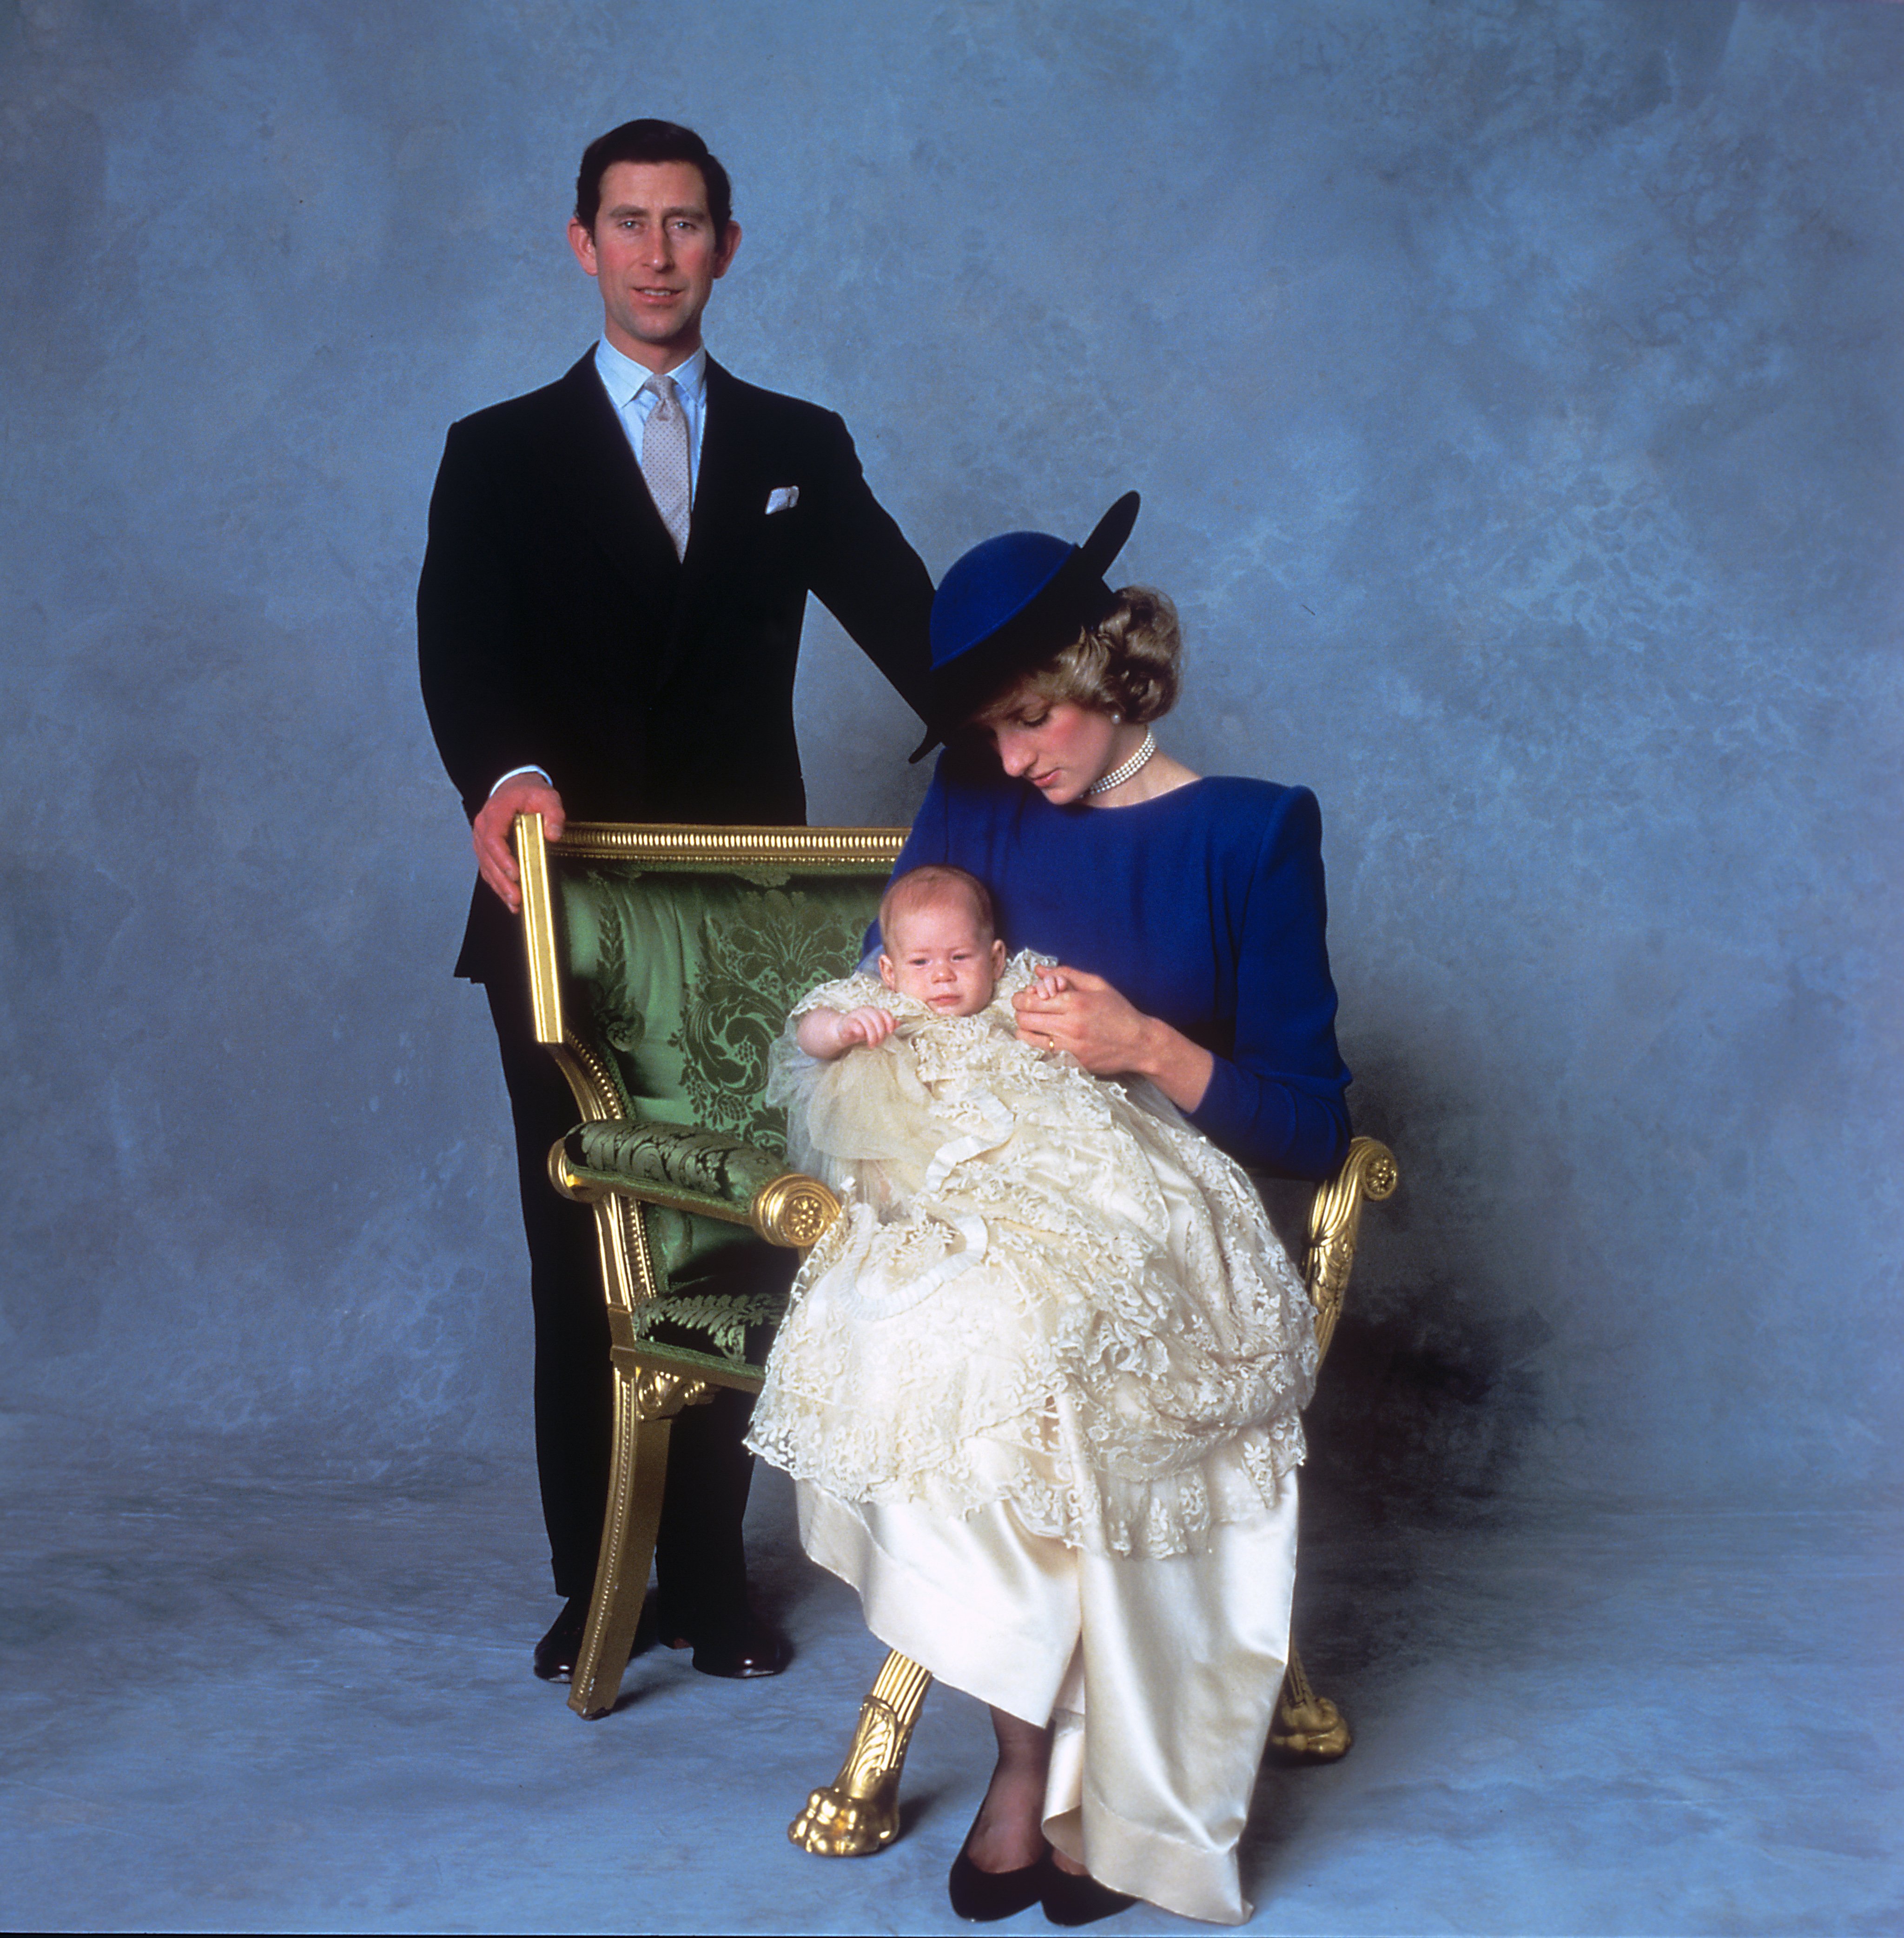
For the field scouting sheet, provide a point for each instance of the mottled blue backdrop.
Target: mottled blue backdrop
(1514, 390)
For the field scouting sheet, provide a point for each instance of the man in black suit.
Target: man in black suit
(608, 618)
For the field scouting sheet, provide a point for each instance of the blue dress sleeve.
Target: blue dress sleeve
(1276, 1102)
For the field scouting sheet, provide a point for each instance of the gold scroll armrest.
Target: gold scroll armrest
(1369, 1172)
(700, 1172)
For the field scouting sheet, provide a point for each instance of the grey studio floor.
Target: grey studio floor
(241, 1695)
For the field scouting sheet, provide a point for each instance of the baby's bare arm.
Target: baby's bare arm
(825, 1034)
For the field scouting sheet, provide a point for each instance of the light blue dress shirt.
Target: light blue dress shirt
(623, 377)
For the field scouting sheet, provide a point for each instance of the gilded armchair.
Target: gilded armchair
(663, 962)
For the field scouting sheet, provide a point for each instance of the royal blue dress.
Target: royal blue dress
(1204, 907)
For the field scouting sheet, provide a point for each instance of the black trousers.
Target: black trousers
(700, 1566)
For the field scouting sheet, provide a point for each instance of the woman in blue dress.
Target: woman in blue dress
(1131, 1695)
(1192, 907)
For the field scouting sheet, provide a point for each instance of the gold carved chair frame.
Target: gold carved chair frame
(858, 1812)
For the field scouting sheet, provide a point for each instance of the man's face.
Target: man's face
(654, 255)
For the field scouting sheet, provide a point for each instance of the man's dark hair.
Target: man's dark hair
(643, 142)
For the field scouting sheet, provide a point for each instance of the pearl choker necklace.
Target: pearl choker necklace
(1134, 765)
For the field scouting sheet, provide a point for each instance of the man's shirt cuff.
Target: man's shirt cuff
(538, 772)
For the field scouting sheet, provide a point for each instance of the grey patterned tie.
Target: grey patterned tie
(664, 459)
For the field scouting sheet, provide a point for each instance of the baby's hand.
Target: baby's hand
(1048, 979)
(871, 1026)
(826, 1033)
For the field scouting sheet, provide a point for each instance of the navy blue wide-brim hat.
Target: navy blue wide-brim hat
(1008, 606)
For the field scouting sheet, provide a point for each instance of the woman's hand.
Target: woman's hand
(1072, 1010)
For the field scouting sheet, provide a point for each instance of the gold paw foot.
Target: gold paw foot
(858, 1813)
(836, 1825)
(1312, 1732)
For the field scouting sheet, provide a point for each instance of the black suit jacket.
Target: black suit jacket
(556, 627)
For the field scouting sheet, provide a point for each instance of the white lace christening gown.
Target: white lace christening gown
(1040, 1386)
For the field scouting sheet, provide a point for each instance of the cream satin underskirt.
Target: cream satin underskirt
(1161, 1675)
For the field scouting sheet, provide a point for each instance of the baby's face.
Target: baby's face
(938, 955)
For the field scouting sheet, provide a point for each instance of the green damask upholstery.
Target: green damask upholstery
(687, 977)
(628, 1156)
(678, 977)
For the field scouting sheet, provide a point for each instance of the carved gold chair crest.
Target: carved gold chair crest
(663, 963)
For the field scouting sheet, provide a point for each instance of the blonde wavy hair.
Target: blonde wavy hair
(1127, 664)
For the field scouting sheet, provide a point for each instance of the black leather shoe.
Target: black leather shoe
(751, 1649)
(556, 1652)
(1080, 1900)
(985, 1897)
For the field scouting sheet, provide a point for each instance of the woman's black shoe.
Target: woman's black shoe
(1079, 1900)
(985, 1897)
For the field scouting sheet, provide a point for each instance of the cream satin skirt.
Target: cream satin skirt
(1161, 1676)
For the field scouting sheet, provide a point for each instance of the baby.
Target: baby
(942, 948)
(1045, 1288)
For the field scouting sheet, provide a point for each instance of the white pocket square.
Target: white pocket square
(782, 498)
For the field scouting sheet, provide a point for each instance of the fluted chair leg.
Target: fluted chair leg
(645, 1407)
(1306, 1727)
(858, 1813)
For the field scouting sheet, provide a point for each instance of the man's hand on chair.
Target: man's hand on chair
(494, 833)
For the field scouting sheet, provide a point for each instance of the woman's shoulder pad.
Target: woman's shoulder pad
(1241, 794)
